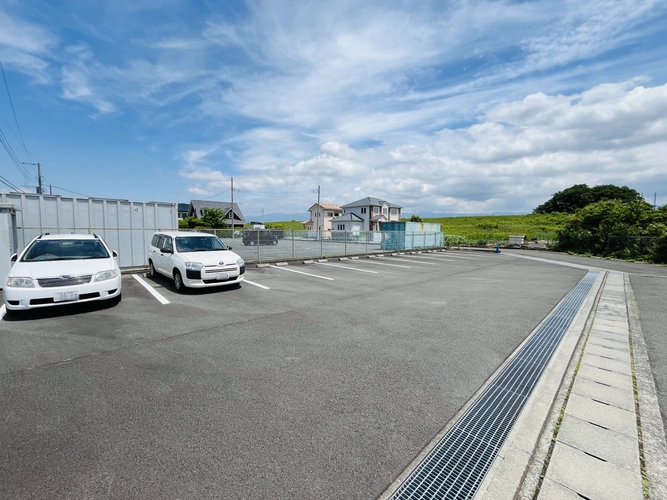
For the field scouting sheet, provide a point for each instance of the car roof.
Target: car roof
(184, 233)
(68, 237)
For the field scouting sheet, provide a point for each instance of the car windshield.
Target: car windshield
(65, 250)
(199, 244)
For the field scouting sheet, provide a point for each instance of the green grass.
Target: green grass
(484, 227)
(287, 225)
(499, 227)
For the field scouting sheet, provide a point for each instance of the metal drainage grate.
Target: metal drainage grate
(456, 466)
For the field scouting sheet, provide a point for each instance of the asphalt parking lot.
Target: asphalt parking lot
(309, 381)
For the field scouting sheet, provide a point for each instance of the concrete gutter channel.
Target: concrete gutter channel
(591, 428)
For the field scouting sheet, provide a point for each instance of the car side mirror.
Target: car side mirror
(13, 257)
(114, 253)
(229, 248)
(166, 250)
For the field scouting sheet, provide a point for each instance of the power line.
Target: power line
(302, 195)
(9, 184)
(213, 196)
(67, 190)
(12, 155)
(14, 111)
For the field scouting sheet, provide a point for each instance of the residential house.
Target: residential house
(321, 215)
(366, 215)
(232, 217)
(183, 210)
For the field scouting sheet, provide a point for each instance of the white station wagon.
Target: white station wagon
(194, 260)
(56, 269)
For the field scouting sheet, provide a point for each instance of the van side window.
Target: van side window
(160, 241)
(155, 239)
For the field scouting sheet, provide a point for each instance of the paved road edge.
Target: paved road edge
(653, 432)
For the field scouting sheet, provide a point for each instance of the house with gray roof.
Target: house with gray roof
(232, 216)
(366, 214)
(183, 210)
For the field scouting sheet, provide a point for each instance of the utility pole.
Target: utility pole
(319, 207)
(232, 207)
(39, 176)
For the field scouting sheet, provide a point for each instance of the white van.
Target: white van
(192, 259)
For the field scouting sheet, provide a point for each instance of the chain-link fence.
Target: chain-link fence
(258, 246)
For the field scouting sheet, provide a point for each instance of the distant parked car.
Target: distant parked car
(279, 233)
(195, 260)
(254, 237)
(60, 269)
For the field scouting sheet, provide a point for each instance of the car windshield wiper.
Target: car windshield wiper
(40, 259)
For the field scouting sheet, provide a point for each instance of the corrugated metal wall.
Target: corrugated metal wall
(126, 226)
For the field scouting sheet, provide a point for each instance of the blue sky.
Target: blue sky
(468, 107)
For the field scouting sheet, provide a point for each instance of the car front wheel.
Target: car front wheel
(274, 242)
(178, 282)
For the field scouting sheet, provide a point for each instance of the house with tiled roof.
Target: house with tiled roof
(233, 215)
(366, 214)
(321, 215)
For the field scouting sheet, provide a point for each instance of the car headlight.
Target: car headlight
(194, 266)
(106, 275)
(20, 282)
(240, 263)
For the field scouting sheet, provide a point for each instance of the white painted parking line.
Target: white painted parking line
(556, 262)
(381, 263)
(256, 284)
(403, 258)
(301, 272)
(3, 310)
(151, 290)
(459, 256)
(346, 267)
(431, 258)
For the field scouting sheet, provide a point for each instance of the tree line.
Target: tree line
(609, 221)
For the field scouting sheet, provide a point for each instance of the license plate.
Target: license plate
(221, 276)
(66, 296)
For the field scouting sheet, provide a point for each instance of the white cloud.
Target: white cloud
(76, 87)
(25, 47)
(481, 106)
(512, 160)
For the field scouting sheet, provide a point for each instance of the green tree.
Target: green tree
(415, 218)
(578, 196)
(213, 218)
(611, 228)
(659, 250)
(189, 222)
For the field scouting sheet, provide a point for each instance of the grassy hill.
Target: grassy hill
(499, 227)
(485, 227)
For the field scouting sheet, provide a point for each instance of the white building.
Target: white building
(366, 215)
(321, 216)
